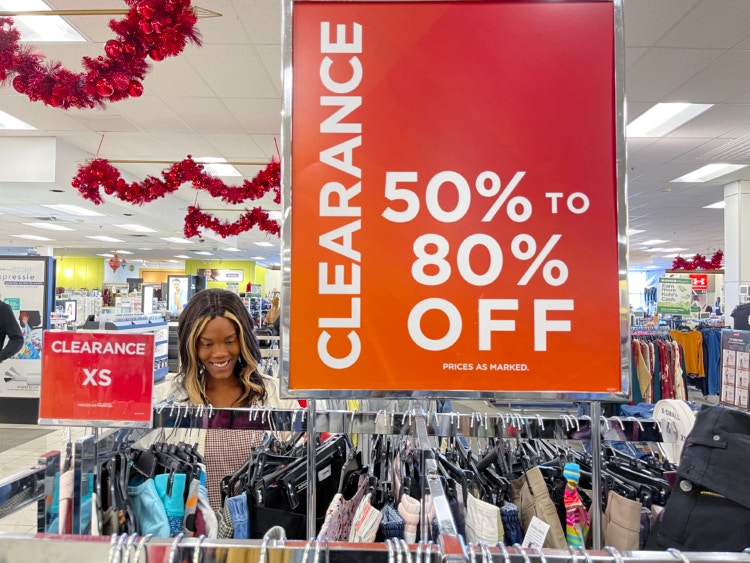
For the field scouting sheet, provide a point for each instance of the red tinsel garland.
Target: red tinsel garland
(100, 174)
(699, 262)
(151, 28)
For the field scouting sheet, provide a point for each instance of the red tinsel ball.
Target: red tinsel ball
(157, 54)
(120, 81)
(20, 85)
(135, 88)
(113, 48)
(146, 10)
(104, 87)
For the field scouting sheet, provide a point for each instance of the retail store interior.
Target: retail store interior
(686, 122)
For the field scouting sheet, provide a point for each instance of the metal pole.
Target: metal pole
(311, 470)
(596, 475)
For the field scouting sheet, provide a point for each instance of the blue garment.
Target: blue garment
(171, 490)
(712, 358)
(240, 516)
(509, 514)
(150, 514)
(392, 524)
(642, 410)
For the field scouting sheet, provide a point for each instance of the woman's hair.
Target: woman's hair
(203, 307)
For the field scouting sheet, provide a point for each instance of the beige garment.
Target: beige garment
(483, 522)
(537, 502)
(621, 523)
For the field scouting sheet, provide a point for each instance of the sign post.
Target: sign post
(454, 200)
(97, 379)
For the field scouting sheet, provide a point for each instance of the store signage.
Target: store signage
(735, 368)
(673, 296)
(454, 199)
(103, 379)
(699, 282)
(221, 275)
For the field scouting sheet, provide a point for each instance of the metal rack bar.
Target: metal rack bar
(20, 547)
(468, 425)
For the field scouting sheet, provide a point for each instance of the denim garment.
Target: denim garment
(240, 516)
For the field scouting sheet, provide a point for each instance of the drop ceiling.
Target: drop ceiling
(224, 100)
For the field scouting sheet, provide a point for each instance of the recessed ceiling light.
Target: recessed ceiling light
(32, 237)
(49, 226)
(231, 249)
(635, 231)
(664, 118)
(263, 244)
(74, 210)
(104, 238)
(135, 227)
(258, 258)
(107, 255)
(709, 172)
(145, 248)
(204, 253)
(653, 241)
(172, 261)
(717, 205)
(183, 257)
(177, 240)
(8, 122)
(123, 252)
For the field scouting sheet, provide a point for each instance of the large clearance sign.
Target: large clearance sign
(454, 198)
(97, 378)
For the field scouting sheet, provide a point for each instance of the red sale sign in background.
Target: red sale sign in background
(452, 175)
(98, 378)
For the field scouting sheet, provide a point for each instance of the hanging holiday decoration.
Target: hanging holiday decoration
(99, 174)
(153, 29)
(699, 262)
(114, 262)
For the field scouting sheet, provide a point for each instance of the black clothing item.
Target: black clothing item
(9, 328)
(709, 508)
(741, 315)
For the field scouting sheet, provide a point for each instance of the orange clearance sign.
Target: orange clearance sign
(452, 180)
(103, 379)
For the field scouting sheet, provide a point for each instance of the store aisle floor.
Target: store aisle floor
(24, 456)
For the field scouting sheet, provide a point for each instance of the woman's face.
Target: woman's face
(219, 348)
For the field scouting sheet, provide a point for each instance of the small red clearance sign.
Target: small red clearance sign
(98, 378)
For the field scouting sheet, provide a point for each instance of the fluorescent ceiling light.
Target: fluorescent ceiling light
(32, 237)
(659, 249)
(104, 238)
(664, 118)
(183, 257)
(263, 244)
(653, 241)
(74, 210)
(635, 231)
(217, 166)
(172, 261)
(139, 248)
(49, 226)
(275, 215)
(675, 255)
(177, 240)
(231, 249)
(709, 172)
(258, 258)
(40, 28)
(136, 228)
(717, 205)
(107, 255)
(123, 252)
(7, 122)
(204, 253)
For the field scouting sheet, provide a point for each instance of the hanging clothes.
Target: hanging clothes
(692, 344)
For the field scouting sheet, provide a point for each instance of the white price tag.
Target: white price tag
(536, 533)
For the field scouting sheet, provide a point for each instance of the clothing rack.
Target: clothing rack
(130, 549)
